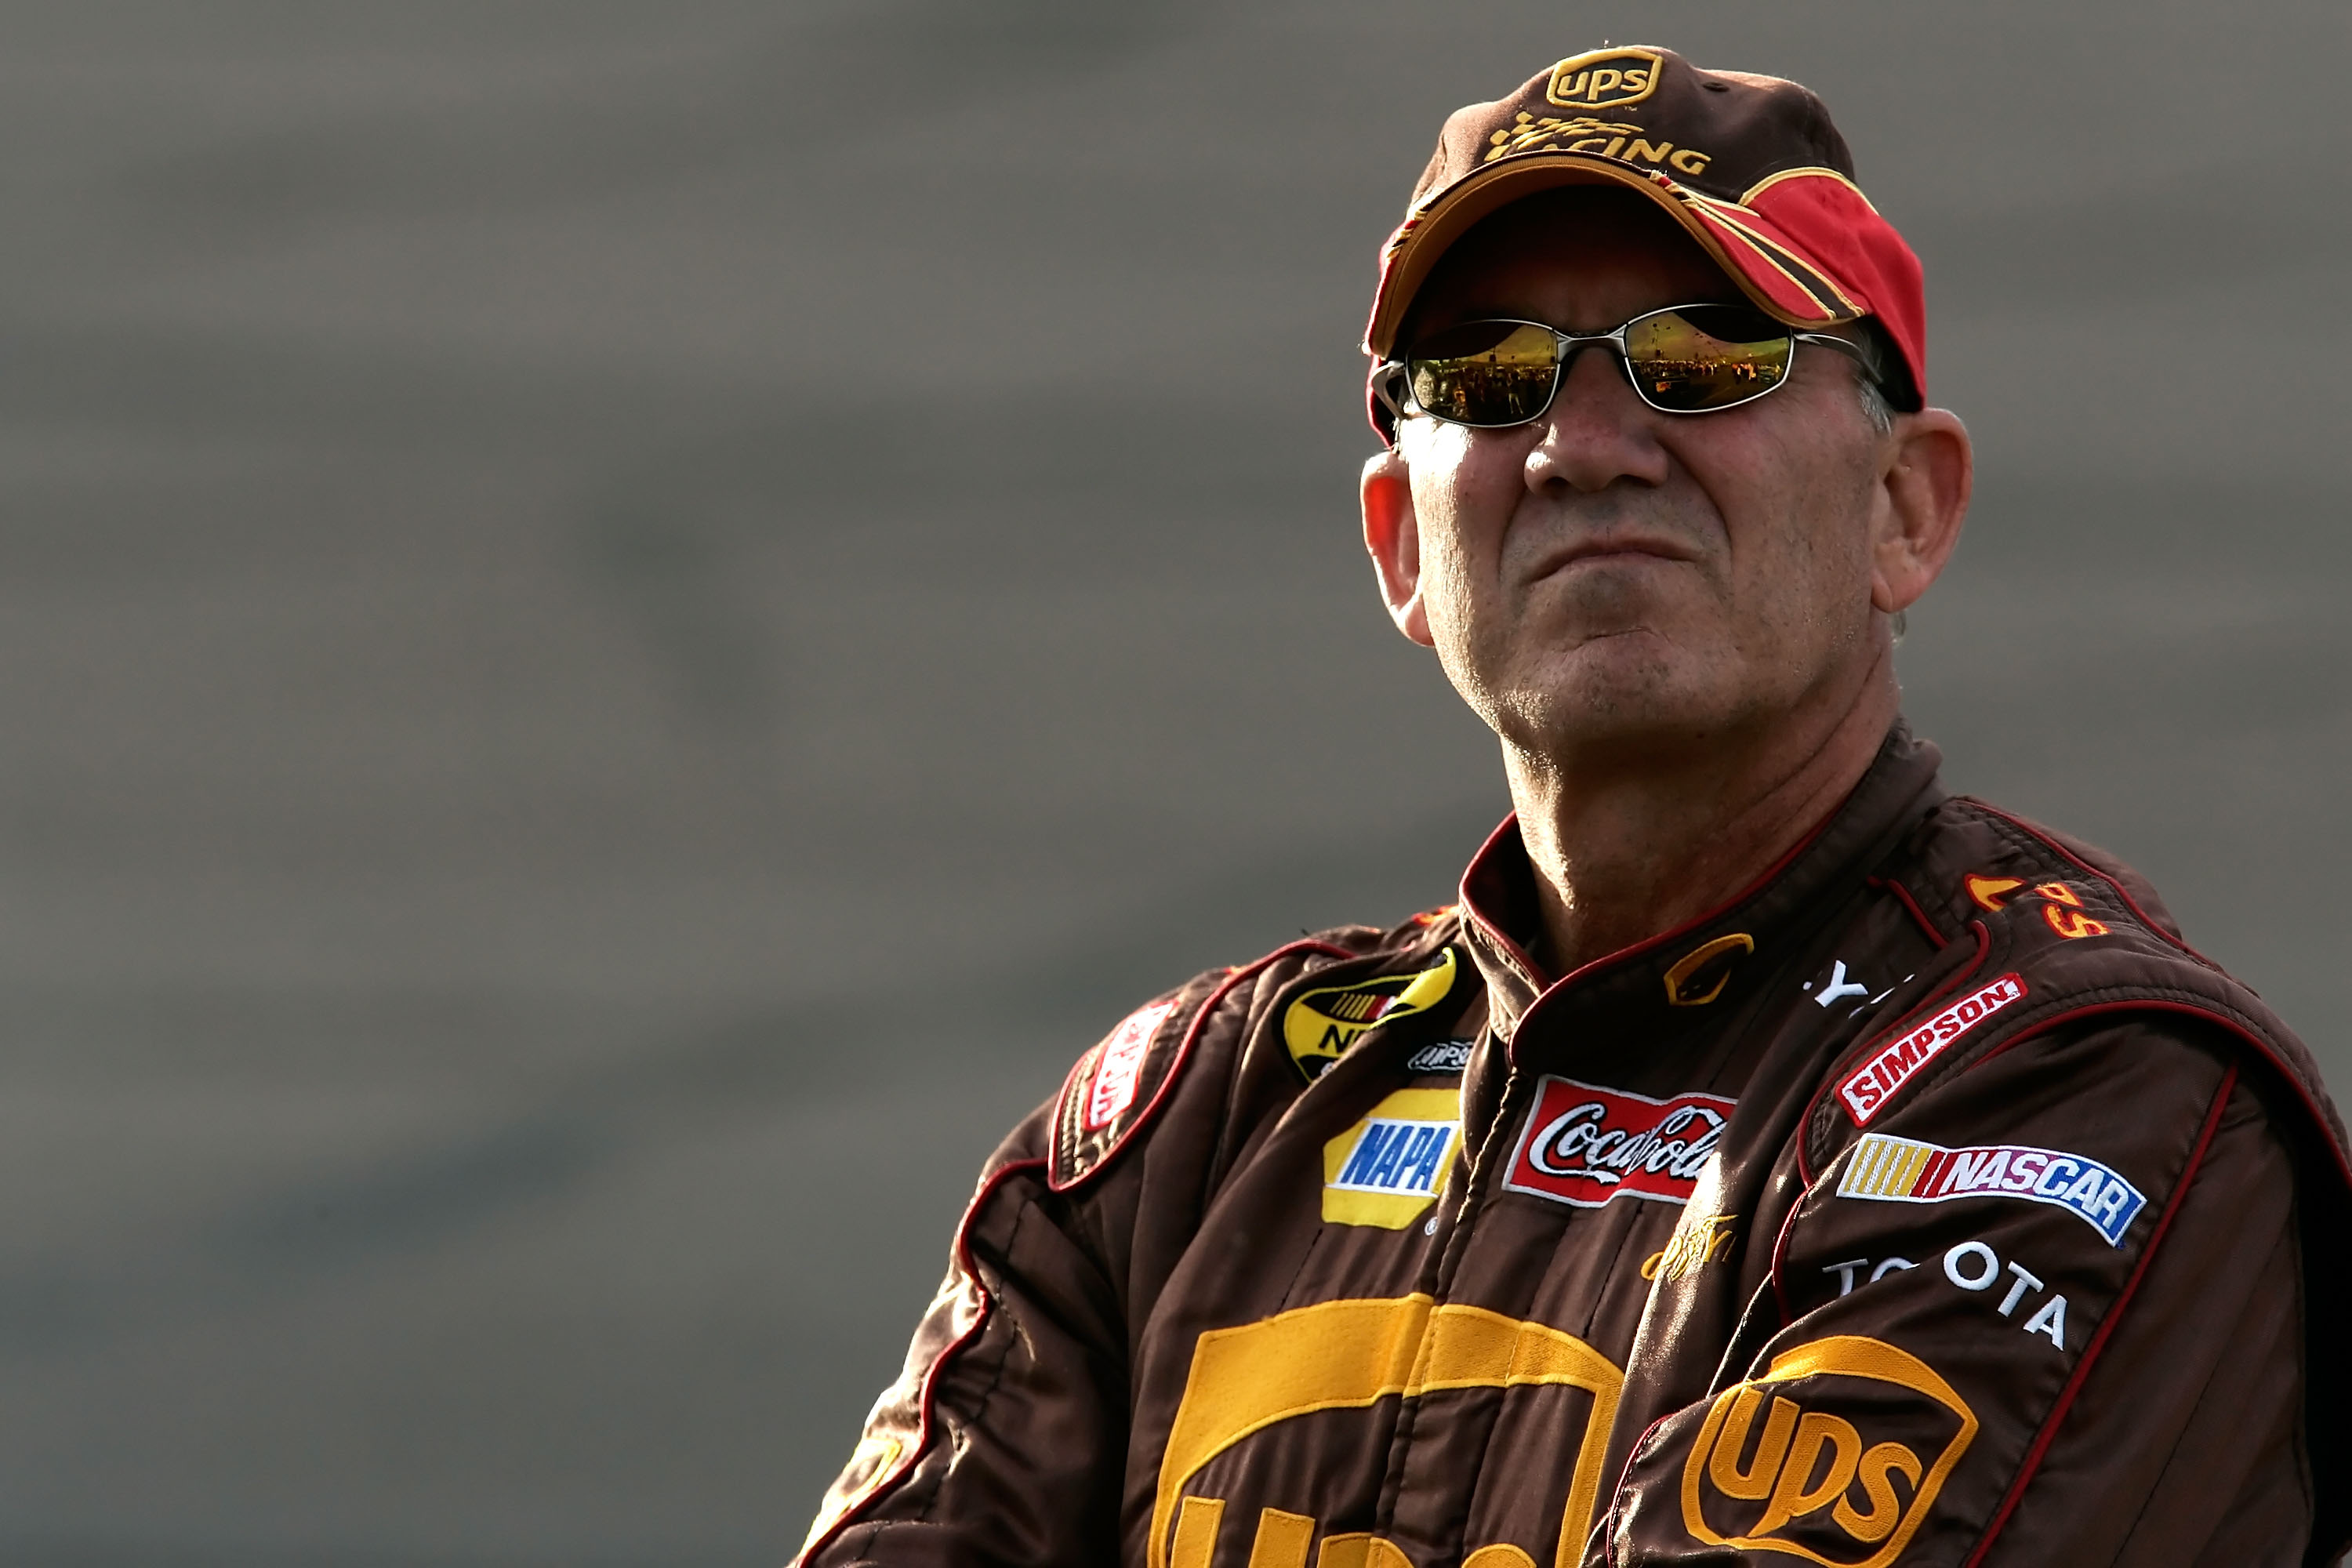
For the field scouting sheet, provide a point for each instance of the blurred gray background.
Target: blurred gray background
(623, 626)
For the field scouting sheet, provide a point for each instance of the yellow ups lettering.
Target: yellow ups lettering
(1355, 1355)
(1196, 1532)
(1690, 163)
(1805, 1463)
(1885, 1509)
(1755, 1481)
(1604, 78)
(1799, 1489)
(1283, 1538)
(1649, 151)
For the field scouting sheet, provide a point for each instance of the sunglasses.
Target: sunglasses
(1685, 359)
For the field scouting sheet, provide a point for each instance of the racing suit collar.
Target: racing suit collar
(1695, 964)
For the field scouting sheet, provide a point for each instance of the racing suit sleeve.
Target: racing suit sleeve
(1001, 1440)
(2048, 1311)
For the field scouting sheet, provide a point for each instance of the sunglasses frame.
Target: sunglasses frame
(1392, 381)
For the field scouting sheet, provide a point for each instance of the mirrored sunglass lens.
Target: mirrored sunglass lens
(1485, 372)
(1707, 356)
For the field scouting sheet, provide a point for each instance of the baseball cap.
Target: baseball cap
(1749, 165)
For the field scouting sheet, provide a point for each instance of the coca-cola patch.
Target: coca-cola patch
(1585, 1146)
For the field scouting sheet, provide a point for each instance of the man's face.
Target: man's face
(1612, 575)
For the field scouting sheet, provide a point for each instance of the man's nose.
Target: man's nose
(1596, 431)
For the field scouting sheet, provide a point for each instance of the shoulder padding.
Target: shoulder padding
(1119, 1085)
(2051, 932)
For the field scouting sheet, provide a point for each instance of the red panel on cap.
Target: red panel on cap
(1828, 220)
(1738, 232)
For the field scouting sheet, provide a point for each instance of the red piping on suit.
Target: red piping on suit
(1183, 1052)
(2293, 1081)
(963, 1250)
(2034, 1455)
(1533, 973)
(922, 1444)
(1888, 884)
(1854, 1053)
(2090, 870)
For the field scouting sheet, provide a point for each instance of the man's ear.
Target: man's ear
(1923, 498)
(1392, 536)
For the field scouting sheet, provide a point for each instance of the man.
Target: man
(1769, 1156)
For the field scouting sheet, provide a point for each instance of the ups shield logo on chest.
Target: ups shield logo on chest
(1605, 78)
(1835, 1454)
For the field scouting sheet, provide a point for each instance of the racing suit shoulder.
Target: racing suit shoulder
(2074, 1101)
(2038, 931)
(1016, 1385)
(1124, 1082)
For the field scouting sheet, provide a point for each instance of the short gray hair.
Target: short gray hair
(1875, 406)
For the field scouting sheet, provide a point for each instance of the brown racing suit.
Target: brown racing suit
(1929, 1203)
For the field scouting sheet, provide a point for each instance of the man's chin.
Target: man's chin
(1632, 695)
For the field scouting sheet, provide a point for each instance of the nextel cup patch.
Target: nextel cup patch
(1321, 1024)
(1902, 1171)
(1585, 1146)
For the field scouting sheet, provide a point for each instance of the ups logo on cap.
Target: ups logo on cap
(1605, 78)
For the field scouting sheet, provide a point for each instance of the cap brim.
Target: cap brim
(1769, 266)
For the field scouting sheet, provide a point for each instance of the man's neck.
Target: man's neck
(1623, 850)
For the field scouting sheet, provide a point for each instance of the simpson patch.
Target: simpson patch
(1896, 1062)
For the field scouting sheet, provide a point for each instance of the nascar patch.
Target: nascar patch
(1118, 1062)
(1390, 1166)
(1587, 1145)
(1899, 1061)
(1904, 1171)
(1321, 1025)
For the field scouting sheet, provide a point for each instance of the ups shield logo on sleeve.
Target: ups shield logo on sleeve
(1605, 78)
(1835, 1454)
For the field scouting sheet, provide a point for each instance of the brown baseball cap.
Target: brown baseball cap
(1750, 166)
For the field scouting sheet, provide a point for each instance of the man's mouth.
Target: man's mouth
(1618, 549)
